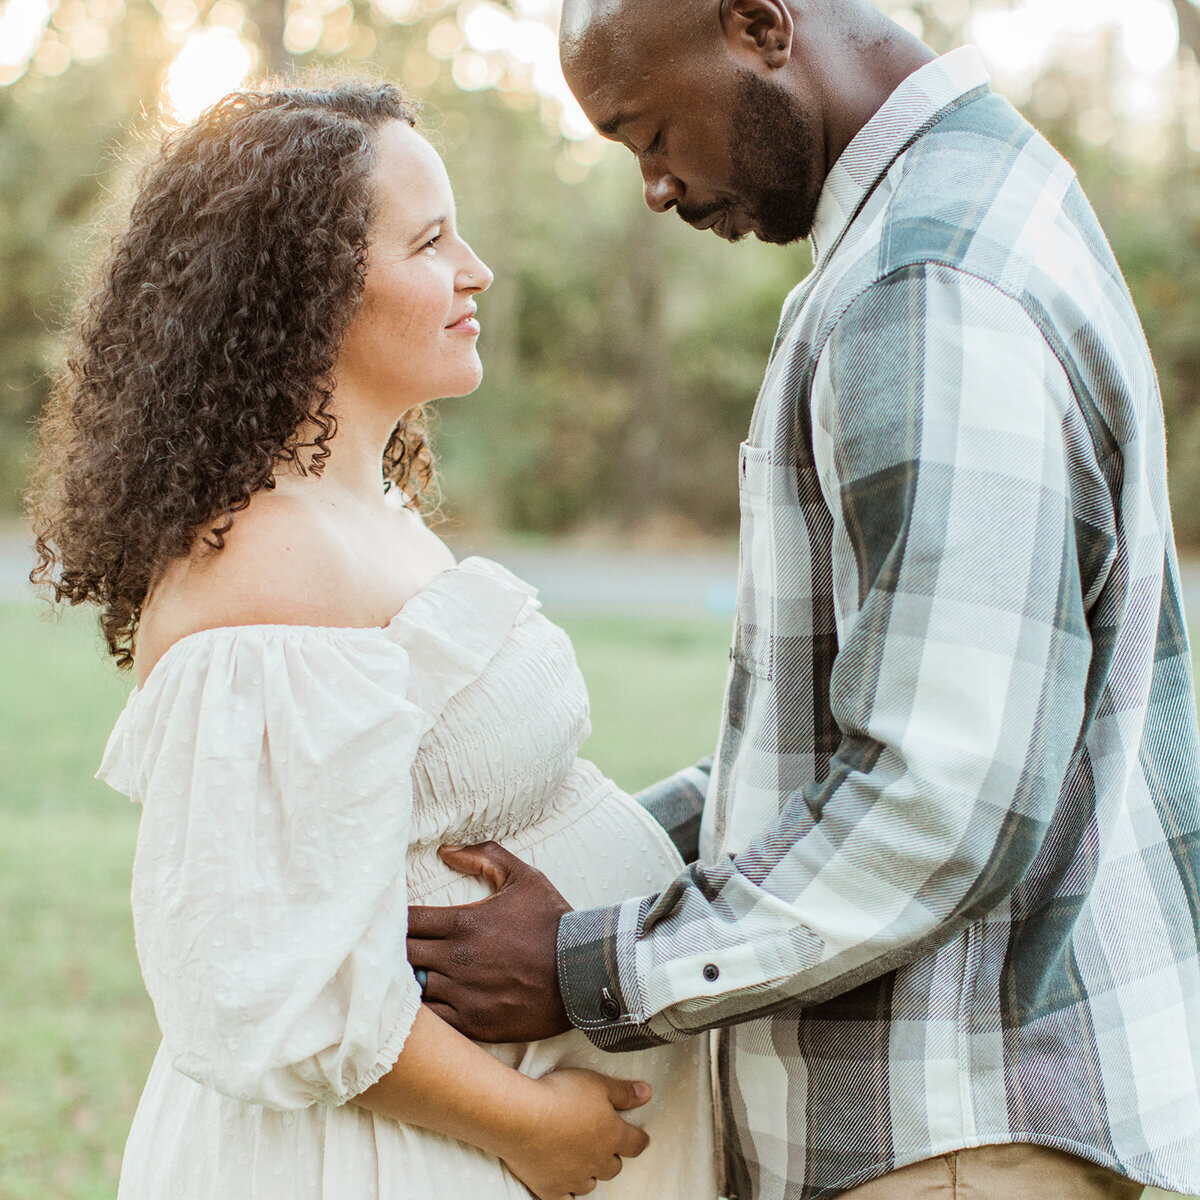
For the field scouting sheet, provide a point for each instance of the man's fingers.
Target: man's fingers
(440, 1008)
(430, 921)
(431, 954)
(434, 987)
(625, 1094)
(488, 859)
(438, 995)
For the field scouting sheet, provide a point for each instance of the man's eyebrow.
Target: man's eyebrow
(609, 128)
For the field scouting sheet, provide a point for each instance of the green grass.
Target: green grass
(77, 1032)
(656, 687)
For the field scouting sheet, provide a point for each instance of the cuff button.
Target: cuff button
(610, 1010)
(711, 972)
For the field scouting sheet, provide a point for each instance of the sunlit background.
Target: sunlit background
(622, 353)
(486, 45)
(514, 49)
(622, 356)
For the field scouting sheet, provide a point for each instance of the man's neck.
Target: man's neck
(857, 67)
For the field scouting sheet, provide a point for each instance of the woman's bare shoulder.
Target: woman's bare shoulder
(282, 563)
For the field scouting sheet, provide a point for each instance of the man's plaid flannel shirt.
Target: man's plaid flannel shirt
(949, 884)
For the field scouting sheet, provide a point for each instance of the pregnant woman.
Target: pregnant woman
(231, 469)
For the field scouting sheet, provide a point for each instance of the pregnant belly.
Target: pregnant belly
(600, 848)
(597, 845)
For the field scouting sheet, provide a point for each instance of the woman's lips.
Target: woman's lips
(465, 324)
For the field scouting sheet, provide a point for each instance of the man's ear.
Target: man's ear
(760, 29)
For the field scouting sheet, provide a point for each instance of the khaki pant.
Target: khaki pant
(1010, 1172)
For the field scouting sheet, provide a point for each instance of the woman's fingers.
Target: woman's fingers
(579, 1136)
(624, 1094)
(633, 1142)
(613, 1167)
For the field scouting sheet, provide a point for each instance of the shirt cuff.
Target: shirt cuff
(590, 942)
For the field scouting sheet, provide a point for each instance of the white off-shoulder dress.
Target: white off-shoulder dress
(296, 783)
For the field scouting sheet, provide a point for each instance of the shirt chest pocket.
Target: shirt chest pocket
(758, 499)
(783, 556)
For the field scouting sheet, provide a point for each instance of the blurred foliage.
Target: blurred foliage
(623, 352)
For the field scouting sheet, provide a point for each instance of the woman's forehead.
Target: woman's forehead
(410, 178)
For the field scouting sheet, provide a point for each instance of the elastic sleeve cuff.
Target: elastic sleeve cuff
(391, 1048)
(589, 979)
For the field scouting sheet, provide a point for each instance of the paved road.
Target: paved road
(573, 578)
(605, 580)
(16, 557)
(569, 578)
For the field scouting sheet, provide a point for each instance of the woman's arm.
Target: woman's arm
(275, 955)
(557, 1134)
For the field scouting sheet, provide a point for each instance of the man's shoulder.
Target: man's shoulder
(978, 198)
(982, 191)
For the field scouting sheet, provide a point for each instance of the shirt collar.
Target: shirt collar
(919, 100)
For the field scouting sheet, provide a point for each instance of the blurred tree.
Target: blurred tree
(58, 140)
(1188, 16)
(270, 20)
(623, 352)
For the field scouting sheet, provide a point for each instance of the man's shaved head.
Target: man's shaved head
(736, 110)
(579, 16)
(686, 85)
(620, 31)
(610, 17)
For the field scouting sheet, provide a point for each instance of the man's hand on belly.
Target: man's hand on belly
(490, 967)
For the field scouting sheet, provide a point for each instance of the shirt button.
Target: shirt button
(610, 1010)
(711, 971)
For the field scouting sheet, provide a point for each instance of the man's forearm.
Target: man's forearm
(677, 804)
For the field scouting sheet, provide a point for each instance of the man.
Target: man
(946, 904)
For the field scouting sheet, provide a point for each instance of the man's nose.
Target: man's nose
(662, 191)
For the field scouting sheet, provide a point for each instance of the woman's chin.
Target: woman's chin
(470, 381)
(450, 389)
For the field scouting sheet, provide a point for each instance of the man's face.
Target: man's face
(729, 149)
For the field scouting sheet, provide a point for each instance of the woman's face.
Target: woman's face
(413, 338)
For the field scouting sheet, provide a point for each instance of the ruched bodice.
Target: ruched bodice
(296, 783)
(496, 762)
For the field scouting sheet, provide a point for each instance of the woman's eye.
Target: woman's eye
(655, 146)
(433, 241)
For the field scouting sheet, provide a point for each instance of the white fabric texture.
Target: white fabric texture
(296, 783)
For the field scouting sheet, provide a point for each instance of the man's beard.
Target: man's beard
(777, 159)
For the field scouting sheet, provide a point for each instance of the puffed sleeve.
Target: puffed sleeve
(273, 767)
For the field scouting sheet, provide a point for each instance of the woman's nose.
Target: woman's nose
(476, 275)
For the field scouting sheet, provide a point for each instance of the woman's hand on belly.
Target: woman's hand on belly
(557, 1134)
(579, 1137)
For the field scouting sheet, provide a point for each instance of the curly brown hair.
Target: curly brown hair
(204, 358)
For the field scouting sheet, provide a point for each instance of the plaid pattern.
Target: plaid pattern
(949, 884)
(677, 804)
